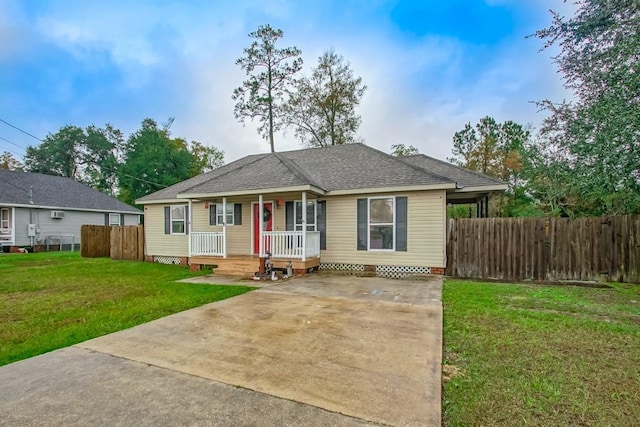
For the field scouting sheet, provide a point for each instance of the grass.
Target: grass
(53, 300)
(541, 355)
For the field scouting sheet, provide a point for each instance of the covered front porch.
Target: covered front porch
(241, 230)
(300, 248)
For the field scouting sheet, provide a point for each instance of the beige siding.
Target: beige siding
(425, 232)
(158, 243)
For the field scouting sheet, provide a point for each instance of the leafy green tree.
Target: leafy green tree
(152, 161)
(7, 161)
(401, 150)
(204, 158)
(321, 108)
(499, 150)
(88, 156)
(270, 71)
(588, 151)
(58, 154)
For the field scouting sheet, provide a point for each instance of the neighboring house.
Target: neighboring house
(348, 207)
(37, 209)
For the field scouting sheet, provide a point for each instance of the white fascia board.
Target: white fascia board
(309, 188)
(396, 189)
(162, 201)
(482, 188)
(64, 208)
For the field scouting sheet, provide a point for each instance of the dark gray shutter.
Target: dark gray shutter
(167, 220)
(186, 219)
(121, 219)
(213, 217)
(401, 224)
(362, 224)
(322, 223)
(237, 213)
(288, 217)
(106, 219)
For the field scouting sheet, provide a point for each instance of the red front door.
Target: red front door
(267, 221)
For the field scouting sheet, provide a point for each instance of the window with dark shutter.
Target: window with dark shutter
(167, 220)
(362, 224)
(212, 215)
(401, 224)
(322, 223)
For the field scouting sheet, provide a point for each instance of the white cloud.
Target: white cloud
(420, 90)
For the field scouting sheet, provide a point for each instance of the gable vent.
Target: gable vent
(57, 214)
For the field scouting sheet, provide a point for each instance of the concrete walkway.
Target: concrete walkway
(319, 350)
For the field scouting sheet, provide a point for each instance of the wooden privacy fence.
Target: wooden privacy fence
(545, 248)
(126, 242)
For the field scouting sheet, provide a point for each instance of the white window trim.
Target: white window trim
(369, 224)
(2, 221)
(315, 215)
(184, 220)
(219, 215)
(111, 215)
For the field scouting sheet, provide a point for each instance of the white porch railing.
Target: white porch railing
(5, 236)
(313, 244)
(281, 244)
(289, 244)
(207, 244)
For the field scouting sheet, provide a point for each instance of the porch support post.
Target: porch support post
(260, 226)
(304, 226)
(224, 227)
(189, 228)
(486, 207)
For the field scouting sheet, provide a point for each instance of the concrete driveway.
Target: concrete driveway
(317, 350)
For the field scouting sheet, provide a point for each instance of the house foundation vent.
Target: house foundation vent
(167, 259)
(400, 271)
(341, 267)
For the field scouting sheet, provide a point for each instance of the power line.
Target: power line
(10, 151)
(12, 143)
(60, 151)
(20, 130)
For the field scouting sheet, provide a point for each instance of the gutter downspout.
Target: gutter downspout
(189, 228)
(304, 226)
(224, 227)
(260, 226)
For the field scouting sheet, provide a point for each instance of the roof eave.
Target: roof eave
(393, 189)
(310, 188)
(482, 188)
(65, 208)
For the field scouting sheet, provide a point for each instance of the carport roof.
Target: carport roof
(343, 169)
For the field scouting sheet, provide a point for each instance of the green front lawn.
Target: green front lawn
(53, 300)
(541, 355)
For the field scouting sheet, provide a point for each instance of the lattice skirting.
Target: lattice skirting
(390, 271)
(342, 267)
(166, 259)
(400, 271)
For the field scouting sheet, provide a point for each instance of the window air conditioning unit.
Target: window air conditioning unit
(57, 214)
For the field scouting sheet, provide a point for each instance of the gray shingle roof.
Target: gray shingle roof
(344, 167)
(463, 177)
(55, 191)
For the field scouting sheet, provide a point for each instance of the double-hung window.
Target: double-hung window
(310, 212)
(114, 219)
(4, 219)
(230, 214)
(178, 219)
(381, 223)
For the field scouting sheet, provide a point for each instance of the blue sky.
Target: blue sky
(430, 66)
